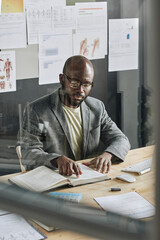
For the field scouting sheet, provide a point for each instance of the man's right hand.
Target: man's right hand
(67, 166)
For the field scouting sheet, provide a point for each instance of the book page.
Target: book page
(39, 179)
(88, 176)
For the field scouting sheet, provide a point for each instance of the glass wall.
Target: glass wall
(130, 97)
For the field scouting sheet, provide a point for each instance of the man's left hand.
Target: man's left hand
(102, 163)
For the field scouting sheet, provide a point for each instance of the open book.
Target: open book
(43, 178)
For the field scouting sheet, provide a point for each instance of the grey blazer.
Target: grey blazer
(46, 135)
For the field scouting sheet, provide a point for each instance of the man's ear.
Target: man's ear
(61, 78)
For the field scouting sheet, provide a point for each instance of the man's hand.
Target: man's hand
(102, 163)
(67, 166)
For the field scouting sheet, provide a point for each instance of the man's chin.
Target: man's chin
(77, 102)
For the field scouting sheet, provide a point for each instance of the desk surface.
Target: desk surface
(144, 185)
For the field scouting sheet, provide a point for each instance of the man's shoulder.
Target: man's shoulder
(44, 100)
(93, 102)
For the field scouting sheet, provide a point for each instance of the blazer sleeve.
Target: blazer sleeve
(113, 138)
(31, 142)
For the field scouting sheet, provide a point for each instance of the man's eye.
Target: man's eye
(86, 84)
(75, 83)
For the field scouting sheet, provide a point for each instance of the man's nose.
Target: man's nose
(80, 88)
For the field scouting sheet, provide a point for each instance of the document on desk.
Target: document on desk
(13, 226)
(3, 212)
(130, 204)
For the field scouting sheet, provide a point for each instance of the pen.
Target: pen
(115, 189)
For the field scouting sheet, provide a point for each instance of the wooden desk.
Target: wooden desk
(144, 185)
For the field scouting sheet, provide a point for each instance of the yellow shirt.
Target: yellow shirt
(74, 120)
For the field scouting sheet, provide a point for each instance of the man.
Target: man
(68, 125)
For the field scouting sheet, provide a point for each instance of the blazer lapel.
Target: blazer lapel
(86, 126)
(57, 109)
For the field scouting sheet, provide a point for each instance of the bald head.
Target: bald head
(78, 61)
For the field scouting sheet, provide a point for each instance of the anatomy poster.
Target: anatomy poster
(7, 71)
(92, 16)
(91, 44)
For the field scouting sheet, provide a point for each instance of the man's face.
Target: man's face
(73, 95)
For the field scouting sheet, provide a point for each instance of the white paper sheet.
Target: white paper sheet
(12, 30)
(130, 204)
(13, 226)
(3, 212)
(54, 49)
(7, 71)
(39, 20)
(92, 16)
(64, 17)
(54, 2)
(123, 44)
(42, 18)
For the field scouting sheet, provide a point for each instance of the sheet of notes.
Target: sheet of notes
(130, 204)
(13, 226)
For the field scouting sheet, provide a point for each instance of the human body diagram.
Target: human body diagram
(8, 68)
(86, 49)
(5, 73)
